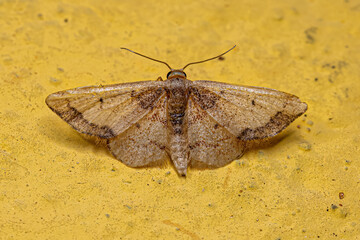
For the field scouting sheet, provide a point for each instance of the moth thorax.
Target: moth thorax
(177, 73)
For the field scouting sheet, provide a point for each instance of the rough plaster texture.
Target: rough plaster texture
(54, 184)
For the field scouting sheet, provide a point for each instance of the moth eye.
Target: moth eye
(167, 76)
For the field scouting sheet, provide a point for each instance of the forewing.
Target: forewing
(144, 143)
(211, 145)
(106, 111)
(247, 112)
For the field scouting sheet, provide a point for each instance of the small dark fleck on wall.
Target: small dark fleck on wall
(310, 34)
(221, 58)
(341, 195)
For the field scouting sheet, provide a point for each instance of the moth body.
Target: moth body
(177, 91)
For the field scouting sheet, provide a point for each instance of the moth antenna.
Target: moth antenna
(147, 57)
(209, 58)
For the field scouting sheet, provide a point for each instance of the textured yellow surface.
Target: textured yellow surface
(54, 184)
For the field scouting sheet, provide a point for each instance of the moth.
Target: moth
(194, 123)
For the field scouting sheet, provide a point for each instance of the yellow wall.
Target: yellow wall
(54, 184)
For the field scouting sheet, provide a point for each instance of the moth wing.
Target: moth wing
(144, 143)
(106, 111)
(247, 112)
(210, 144)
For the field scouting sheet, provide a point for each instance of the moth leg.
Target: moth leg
(159, 79)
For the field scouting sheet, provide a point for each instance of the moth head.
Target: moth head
(176, 73)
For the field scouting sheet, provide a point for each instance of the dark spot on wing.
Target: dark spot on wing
(75, 118)
(147, 99)
(204, 98)
(216, 126)
(253, 102)
(275, 125)
(137, 125)
(101, 100)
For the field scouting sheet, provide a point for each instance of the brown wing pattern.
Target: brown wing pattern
(211, 145)
(144, 143)
(247, 112)
(106, 111)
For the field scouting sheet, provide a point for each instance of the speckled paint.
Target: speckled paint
(302, 184)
